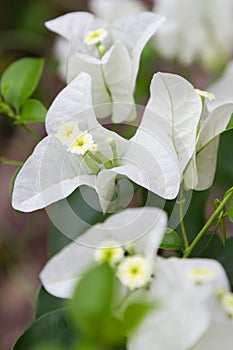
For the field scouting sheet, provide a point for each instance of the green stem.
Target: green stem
(10, 162)
(211, 220)
(31, 132)
(101, 53)
(115, 159)
(210, 239)
(6, 109)
(181, 215)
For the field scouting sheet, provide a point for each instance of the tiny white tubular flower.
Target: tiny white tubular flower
(95, 36)
(79, 151)
(227, 304)
(140, 228)
(82, 144)
(109, 251)
(214, 120)
(135, 271)
(201, 275)
(186, 309)
(176, 107)
(196, 30)
(110, 53)
(68, 132)
(205, 94)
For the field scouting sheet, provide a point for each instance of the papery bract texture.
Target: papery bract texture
(114, 72)
(140, 228)
(79, 151)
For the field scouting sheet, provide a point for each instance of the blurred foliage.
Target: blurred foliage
(88, 320)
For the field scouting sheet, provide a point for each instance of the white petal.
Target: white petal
(218, 336)
(214, 124)
(142, 226)
(175, 106)
(206, 162)
(100, 97)
(49, 174)
(219, 278)
(74, 27)
(200, 171)
(105, 187)
(74, 102)
(190, 174)
(134, 32)
(199, 174)
(119, 78)
(151, 161)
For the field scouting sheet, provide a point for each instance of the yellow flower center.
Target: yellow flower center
(82, 144)
(96, 36)
(135, 272)
(201, 275)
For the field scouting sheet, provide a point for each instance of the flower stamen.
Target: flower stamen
(205, 94)
(109, 251)
(95, 36)
(135, 272)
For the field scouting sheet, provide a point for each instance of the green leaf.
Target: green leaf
(32, 112)
(224, 171)
(171, 241)
(134, 313)
(46, 303)
(230, 211)
(50, 328)
(20, 80)
(91, 305)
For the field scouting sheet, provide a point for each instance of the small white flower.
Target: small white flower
(226, 301)
(82, 144)
(205, 94)
(135, 271)
(139, 228)
(68, 132)
(112, 64)
(176, 107)
(79, 151)
(201, 275)
(95, 36)
(109, 251)
(185, 312)
(183, 318)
